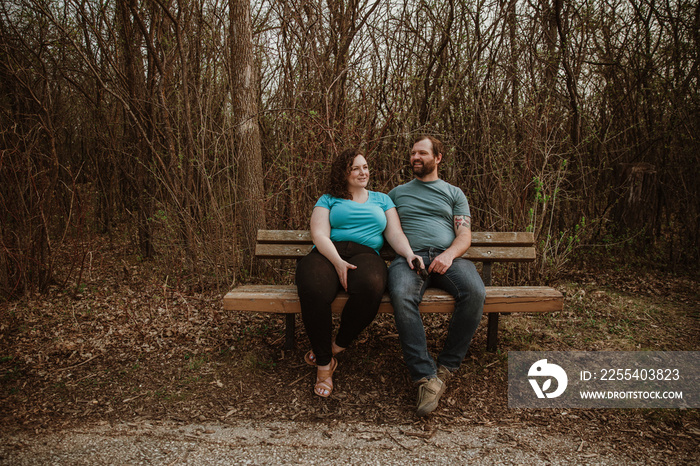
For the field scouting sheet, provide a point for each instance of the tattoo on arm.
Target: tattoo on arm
(462, 221)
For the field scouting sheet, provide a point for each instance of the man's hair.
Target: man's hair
(438, 146)
(340, 169)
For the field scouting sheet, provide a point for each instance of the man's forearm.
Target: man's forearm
(461, 243)
(463, 235)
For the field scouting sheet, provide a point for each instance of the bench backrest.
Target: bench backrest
(486, 247)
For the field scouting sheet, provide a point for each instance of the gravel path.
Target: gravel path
(254, 442)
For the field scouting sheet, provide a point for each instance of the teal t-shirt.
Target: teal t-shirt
(360, 223)
(427, 211)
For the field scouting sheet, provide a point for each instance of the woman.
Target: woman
(348, 227)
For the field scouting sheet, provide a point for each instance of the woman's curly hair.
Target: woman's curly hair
(340, 169)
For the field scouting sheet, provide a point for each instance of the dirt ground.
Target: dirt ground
(137, 361)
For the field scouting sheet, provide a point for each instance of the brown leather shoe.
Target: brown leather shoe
(444, 374)
(429, 393)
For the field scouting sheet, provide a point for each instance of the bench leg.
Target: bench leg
(492, 332)
(289, 331)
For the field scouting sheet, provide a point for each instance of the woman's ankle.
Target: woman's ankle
(336, 349)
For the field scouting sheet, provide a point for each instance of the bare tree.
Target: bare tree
(244, 95)
(189, 124)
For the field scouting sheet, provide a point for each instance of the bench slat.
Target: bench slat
(475, 253)
(284, 299)
(479, 238)
(284, 236)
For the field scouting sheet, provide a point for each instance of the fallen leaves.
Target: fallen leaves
(139, 349)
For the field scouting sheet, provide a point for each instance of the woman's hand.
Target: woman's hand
(416, 263)
(413, 257)
(320, 233)
(341, 269)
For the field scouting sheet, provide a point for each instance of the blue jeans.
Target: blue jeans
(406, 289)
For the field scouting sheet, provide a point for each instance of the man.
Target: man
(436, 220)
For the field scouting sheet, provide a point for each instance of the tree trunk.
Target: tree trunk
(570, 78)
(132, 68)
(244, 89)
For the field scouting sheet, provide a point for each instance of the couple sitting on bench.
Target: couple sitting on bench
(428, 223)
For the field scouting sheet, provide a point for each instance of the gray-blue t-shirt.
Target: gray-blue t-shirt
(427, 211)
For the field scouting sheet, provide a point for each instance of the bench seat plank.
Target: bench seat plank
(283, 299)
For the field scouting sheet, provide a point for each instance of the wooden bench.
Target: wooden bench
(486, 248)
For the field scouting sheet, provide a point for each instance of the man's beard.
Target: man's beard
(424, 169)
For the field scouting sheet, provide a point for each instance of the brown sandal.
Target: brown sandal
(310, 357)
(324, 380)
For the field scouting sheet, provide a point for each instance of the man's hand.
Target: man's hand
(462, 241)
(441, 263)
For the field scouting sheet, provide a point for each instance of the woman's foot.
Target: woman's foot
(310, 357)
(324, 379)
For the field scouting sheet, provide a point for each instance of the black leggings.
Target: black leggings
(318, 285)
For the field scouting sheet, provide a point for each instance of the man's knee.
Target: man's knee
(468, 281)
(478, 292)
